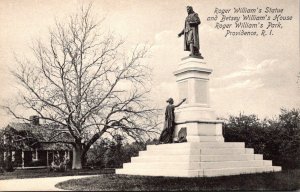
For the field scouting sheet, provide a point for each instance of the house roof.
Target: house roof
(55, 146)
(48, 136)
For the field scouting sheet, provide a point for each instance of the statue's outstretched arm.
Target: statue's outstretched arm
(183, 100)
(181, 33)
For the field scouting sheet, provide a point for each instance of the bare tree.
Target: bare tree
(79, 78)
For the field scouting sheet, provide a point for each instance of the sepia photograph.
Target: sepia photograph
(149, 95)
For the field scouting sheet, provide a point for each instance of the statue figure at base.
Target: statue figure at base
(169, 125)
(191, 34)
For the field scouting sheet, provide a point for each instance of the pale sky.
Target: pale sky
(250, 74)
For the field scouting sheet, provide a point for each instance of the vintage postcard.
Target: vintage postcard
(149, 95)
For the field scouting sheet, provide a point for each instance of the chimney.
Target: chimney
(34, 119)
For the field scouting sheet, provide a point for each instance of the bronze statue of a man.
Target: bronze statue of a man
(191, 34)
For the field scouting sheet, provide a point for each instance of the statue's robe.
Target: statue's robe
(191, 31)
(169, 125)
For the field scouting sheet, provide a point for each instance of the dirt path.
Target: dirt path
(36, 184)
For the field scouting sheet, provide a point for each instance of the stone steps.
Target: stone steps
(197, 165)
(203, 159)
(198, 173)
(197, 145)
(159, 172)
(192, 158)
(191, 151)
(238, 171)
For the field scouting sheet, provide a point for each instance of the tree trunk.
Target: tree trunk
(80, 150)
(77, 153)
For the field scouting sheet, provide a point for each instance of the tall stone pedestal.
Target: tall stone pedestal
(205, 154)
(196, 115)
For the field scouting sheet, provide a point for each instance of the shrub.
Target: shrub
(1, 170)
(8, 165)
(59, 164)
(36, 163)
(112, 154)
(277, 139)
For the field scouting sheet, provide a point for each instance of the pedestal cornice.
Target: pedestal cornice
(192, 65)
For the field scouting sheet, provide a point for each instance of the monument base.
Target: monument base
(200, 130)
(205, 154)
(197, 159)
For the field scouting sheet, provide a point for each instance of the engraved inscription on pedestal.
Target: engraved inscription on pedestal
(201, 91)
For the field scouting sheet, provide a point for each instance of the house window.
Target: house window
(35, 155)
(13, 153)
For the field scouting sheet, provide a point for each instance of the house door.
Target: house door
(50, 157)
(27, 158)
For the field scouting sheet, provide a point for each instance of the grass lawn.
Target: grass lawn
(285, 180)
(38, 173)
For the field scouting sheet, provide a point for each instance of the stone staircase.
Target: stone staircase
(197, 159)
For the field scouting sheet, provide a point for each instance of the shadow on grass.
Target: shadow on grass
(285, 180)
